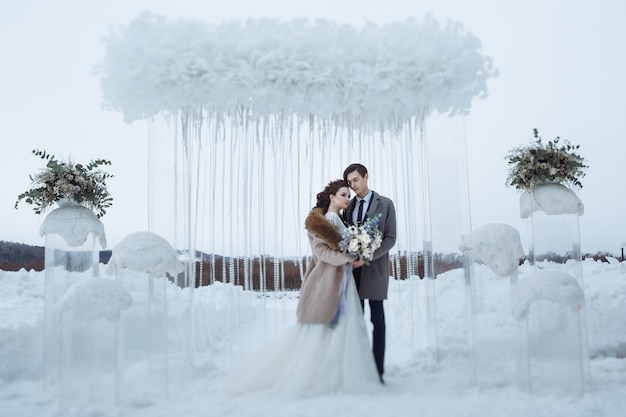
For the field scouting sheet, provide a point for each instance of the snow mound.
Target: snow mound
(497, 245)
(555, 286)
(73, 224)
(551, 199)
(145, 252)
(96, 298)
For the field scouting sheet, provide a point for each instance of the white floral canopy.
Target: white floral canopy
(372, 74)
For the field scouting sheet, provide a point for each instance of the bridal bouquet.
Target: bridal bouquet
(81, 184)
(362, 240)
(538, 163)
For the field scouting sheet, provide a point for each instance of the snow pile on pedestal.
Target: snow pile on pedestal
(96, 298)
(73, 224)
(145, 252)
(555, 286)
(266, 67)
(551, 199)
(497, 245)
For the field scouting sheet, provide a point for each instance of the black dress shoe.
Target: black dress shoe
(382, 381)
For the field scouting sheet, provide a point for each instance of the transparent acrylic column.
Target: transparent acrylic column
(553, 212)
(143, 264)
(496, 247)
(547, 306)
(74, 237)
(143, 337)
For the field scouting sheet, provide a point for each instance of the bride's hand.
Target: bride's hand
(357, 263)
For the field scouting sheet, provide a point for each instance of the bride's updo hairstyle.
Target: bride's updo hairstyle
(323, 197)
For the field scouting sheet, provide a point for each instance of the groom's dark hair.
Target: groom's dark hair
(354, 167)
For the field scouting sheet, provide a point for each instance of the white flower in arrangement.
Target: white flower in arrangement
(362, 240)
(353, 246)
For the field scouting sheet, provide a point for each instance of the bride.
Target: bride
(328, 351)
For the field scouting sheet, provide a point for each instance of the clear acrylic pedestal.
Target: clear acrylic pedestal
(551, 358)
(141, 263)
(497, 247)
(554, 354)
(74, 237)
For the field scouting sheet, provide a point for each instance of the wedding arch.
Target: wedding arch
(265, 112)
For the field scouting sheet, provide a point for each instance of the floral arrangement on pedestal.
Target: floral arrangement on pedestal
(362, 239)
(67, 181)
(554, 162)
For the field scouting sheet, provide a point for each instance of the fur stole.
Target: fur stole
(317, 224)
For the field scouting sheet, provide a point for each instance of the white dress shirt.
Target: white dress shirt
(366, 205)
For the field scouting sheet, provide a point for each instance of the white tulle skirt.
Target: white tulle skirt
(313, 359)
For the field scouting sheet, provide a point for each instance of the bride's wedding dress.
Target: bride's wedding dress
(314, 359)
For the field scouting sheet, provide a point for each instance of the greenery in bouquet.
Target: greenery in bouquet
(82, 184)
(538, 163)
(362, 240)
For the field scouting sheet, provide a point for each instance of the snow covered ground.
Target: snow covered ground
(229, 322)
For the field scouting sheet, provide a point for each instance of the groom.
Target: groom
(372, 281)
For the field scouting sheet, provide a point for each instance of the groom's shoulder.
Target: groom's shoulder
(383, 198)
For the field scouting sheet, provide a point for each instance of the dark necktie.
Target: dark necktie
(359, 216)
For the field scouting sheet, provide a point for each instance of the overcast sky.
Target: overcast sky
(560, 66)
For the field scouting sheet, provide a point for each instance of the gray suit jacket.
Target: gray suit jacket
(375, 276)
